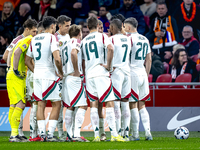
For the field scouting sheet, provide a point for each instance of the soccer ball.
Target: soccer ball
(181, 133)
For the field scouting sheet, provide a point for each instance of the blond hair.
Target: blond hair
(178, 46)
(100, 22)
(74, 30)
(4, 17)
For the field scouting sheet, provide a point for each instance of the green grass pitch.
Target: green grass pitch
(161, 141)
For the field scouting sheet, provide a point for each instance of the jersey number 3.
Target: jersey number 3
(144, 49)
(92, 49)
(38, 50)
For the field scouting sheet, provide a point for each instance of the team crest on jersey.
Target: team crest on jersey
(78, 45)
(24, 46)
(60, 43)
(11, 46)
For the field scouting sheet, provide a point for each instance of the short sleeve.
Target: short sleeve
(54, 44)
(76, 44)
(83, 56)
(29, 51)
(24, 43)
(106, 40)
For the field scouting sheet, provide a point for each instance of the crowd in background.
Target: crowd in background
(170, 25)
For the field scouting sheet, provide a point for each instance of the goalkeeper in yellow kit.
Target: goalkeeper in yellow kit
(16, 83)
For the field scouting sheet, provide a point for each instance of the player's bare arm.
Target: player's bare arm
(58, 63)
(29, 63)
(148, 63)
(16, 58)
(74, 59)
(83, 66)
(5, 55)
(109, 56)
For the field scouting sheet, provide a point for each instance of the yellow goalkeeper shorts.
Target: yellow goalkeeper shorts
(16, 88)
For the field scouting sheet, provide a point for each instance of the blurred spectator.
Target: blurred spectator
(175, 47)
(182, 64)
(68, 8)
(9, 19)
(163, 33)
(189, 41)
(157, 67)
(130, 9)
(100, 26)
(103, 13)
(148, 8)
(85, 31)
(198, 60)
(14, 3)
(188, 14)
(111, 5)
(44, 8)
(24, 12)
(93, 13)
(86, 6)
(5, 40)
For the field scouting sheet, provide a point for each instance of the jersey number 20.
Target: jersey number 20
(144, 49)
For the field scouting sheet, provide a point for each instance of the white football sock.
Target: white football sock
(20, 129)
(42, 127)
(52, 127)
(110, 118)
(94, 117)
(60, 122)
(79, 118)
(101, 126)
(145, 120)
(117, 112)
(126, 116)
(68, 122)
(135, 119)
(34, 121)
(131, 127)
(73, 119)
(31, 122)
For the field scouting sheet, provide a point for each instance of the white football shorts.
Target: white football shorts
(121, 84)
(100, 88)
(73, 92)
(47, 90)
(139, 88)
(29, 85)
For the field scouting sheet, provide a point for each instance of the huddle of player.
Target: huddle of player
(114, 72)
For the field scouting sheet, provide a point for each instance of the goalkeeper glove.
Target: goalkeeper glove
(17, 73)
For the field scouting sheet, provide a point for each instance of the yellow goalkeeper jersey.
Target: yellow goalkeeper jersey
(23, 44)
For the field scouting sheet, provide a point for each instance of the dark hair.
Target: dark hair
(161, 3)
(118, 16)
(40, 24)
(92, 22)
(8, 36)
(62, 19)
(117, 23)
(48, 21)
(74, 30)
(30, 23)
(175, 61)
(20, 31)
(104, 7)
(132, 21)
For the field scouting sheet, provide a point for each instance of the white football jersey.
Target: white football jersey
(122, 48)
(14, 42)
(93, 53)
(139, 49)
(41, 50)
(67, 65)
